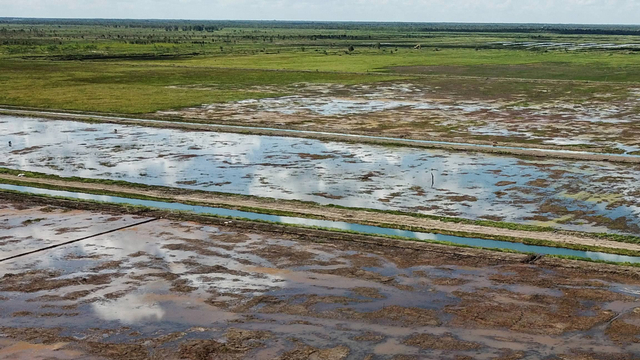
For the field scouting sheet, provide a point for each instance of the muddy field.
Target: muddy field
(592, 118)
(182, 290)
(574, 195)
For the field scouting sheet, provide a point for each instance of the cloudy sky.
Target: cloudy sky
(545, 11)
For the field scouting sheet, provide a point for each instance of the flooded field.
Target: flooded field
(416, 111)
(335, 225)
(184, 290)
(578, 195)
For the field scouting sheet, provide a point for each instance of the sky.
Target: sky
(500, 11)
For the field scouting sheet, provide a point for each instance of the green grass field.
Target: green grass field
(144, 67)
(591, 66)
(125, 88)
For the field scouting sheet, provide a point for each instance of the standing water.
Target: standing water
(576, 195)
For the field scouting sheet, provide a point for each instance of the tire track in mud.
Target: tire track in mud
(76, 240)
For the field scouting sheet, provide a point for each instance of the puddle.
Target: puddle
(24, 230)
(495, 130)
(328, 106)
(24, 350)
(365, 229)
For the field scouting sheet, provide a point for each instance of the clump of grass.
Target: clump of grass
(32, 221)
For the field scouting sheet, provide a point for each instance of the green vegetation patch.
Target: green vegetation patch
(135, 66)
(132, 89)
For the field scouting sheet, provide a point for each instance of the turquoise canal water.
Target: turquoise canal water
(335, 225)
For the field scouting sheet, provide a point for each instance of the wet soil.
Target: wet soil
(263, 295)
(444, 342)
(54, 226)
(542, 114)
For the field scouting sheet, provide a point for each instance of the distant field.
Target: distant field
(510, 71)
(592, 66)
(546, 52)
(125, 88)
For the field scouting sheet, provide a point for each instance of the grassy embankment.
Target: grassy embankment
(141, 210)
(486, 223)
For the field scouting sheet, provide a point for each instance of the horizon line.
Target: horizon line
(317, 21)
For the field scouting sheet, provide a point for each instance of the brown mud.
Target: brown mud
(263, 293)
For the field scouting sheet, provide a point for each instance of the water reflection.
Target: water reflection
(427, 181)
(131, 309)
(284, 298)
(23, 230)
(328, 106)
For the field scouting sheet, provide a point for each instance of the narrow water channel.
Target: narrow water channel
(336, 225)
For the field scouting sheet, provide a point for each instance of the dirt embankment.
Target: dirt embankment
(335, 214)
(462, 254)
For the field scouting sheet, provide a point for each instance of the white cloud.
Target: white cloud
(547, 11)
(130, 309)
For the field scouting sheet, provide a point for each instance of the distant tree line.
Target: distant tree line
(192, 28)
(214, 25)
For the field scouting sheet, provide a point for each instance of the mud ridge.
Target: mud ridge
(322, 236)
(353, 215)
